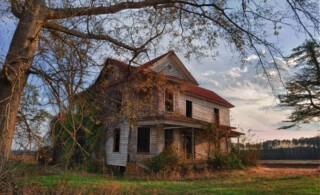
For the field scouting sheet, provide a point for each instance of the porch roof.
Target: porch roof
(171, 121)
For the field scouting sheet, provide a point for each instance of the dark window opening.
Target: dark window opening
(189, 108)
(143, 139)
(116, 140)
(117, 101)
(187, 142)
(168, 137)
(216, 116)
(169, 67)
(169, 101)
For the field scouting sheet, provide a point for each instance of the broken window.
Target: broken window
(168, 101)
(189, 108)
(116, 140)
(216, 116)
(143, 140)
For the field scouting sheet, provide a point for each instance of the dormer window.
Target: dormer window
(168, 101)
(169, 67)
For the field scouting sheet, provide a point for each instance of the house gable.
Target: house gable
(171, 66)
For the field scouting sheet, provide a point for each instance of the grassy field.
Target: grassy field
(249, 181)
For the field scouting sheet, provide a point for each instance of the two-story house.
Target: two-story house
(157, 104)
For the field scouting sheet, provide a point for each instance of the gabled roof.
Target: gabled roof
(152, 62)
(123, 67)
(192, 88)
(177, 63)
(209, 95)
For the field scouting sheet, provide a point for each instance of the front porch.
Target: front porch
(183, 133)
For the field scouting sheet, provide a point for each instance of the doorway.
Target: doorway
(188, 144)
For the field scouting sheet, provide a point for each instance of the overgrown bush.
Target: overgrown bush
(168, 160)
(7, 181)
(222, 160)
(249, 157)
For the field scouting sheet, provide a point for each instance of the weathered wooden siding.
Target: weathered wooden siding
(203, 110)
(161, 67)
(156, 143)
(118, 158)
(201, 145)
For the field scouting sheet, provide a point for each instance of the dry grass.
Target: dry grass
(281, 172)
(252, 180)
(253, 171)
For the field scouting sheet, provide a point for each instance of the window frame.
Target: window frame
(189, 111)
(143, 143)
(216, 115)
(169, 101)
(116, 140)
(168, 137)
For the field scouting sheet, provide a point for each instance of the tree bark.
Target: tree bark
(15, 72)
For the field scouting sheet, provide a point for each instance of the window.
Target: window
(117, 101)
(169, 67)
(216, 116)
(143, 140)
(189, 108)
(116, 140)
(168, 101)
(168, 137)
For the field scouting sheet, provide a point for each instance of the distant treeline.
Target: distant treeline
(295, 149)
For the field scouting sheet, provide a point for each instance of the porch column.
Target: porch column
(193, 146)
(227, 145)
(238, 144)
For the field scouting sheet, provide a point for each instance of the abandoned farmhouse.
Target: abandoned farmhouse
(155, 105)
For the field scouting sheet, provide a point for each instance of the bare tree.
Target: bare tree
(30, 119)
(134, 27)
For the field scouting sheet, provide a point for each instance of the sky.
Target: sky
(255, 104)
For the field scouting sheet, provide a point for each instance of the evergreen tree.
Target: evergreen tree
(303, 89)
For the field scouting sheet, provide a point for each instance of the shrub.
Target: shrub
(7, 179)
(221, 160)
(168, 160)
(249, 157)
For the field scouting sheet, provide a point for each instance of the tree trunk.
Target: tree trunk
(15, 71)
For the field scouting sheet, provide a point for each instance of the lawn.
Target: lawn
(251, 181)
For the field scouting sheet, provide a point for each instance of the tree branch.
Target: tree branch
(57, 27)
(89, 11)
(16, 9)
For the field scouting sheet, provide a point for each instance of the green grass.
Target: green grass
(244, 184)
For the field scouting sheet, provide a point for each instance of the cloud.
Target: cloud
(235, 72)
(209, 73)
(251, 58)
(246, 90)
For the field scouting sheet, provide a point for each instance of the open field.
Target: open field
(291, 163)
(250, 181)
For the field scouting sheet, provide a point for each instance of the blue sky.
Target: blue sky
(256, 106)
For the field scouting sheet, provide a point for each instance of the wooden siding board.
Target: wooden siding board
(161, 67)
(203, 110)
(118, 158)
(156, 143)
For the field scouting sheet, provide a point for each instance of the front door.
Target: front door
(187, 144)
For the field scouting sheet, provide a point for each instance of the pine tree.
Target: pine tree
(303, 89)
